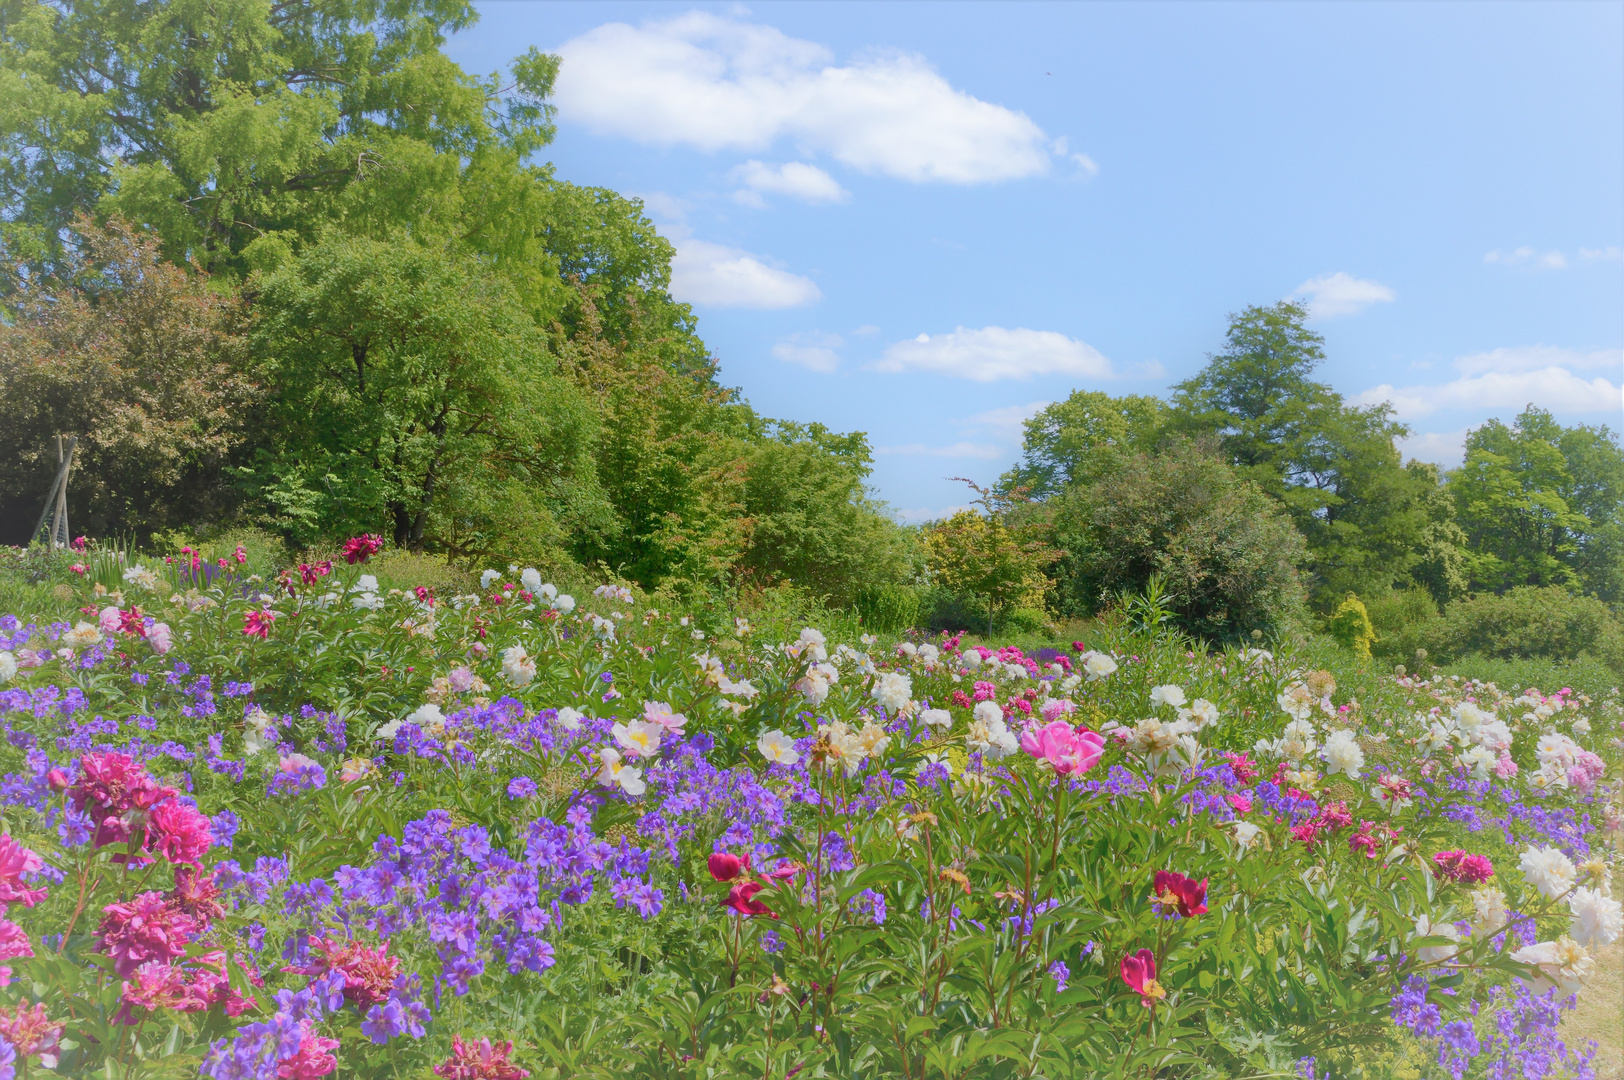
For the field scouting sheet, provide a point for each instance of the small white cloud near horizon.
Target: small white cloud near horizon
(1445, 449)
(920, 515)
(718, 83)
(957, 450)
(1609, 254)
(1527, 256)
(1331, 296)
(1008, 422)
(1512, 378)
(992, 353)
(796, 179)
(714, 275)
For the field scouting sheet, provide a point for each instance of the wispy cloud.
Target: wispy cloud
(717, 83)
(714, 275)
(992, 353)
(1446, 449)
(1511, 378)
(1606, 254)
(1527, 256)
(1331, 296)
(812, 349)
(1007, 422)
(796, 179)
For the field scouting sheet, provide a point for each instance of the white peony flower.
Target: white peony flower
(971, 659)
(365, 583)
(564, 603)
(1490, 905)
(367, 601)
(893, 691)
(8, 667)
(1598, 919)
(1564, 963)
(1425, 927)
(517, 666)
(488, 578)
(1548, 870)
(937, 718)
(1246, 834)
(614, 771)
(1097, 665)
(530, 579)
(1297, 700)
(82, 636)
(1203, 712)
(1297, 741)
(988, 711)
(570, 719)
(1342, 754)
(639, 736)
(1170, 694)
(778, 748)
(259, 732)
(989, 736)
(1479, 760)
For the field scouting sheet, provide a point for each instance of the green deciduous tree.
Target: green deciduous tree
(1540, 505)
(1225, 552)
(1068, 441)
(999, 553)
(1333, 466)
(407, 385)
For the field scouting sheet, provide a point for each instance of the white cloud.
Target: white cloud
(957, 450)
(993, 353)
(1527, 256)
(717, 83)
(795, 179)
(1534, 357)
(1512, 378)
(1611, 254)
(1332, 295)
(922, 514)
(1007, 422)
(713, 275)
(1446, 449)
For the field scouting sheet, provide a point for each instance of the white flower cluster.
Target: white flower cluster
(989, 735)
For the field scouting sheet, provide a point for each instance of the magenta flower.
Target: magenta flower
(361, 548)
(258, 623)
(178, 832)
(1461, 867)
(1069, 751)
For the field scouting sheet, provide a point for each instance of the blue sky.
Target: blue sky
(924, 220)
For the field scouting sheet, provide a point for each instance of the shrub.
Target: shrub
(1226, 551)
(887, 609)
(1351, 626)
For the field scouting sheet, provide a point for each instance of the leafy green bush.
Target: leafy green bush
(943, 608)
(888, 609)
(1226, 551)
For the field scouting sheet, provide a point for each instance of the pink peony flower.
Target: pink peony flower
(1069, 751)
(31, 1033)
(369, 974)
(1139, 972)
(1174, 890)
(160, 637)
(1505, 768)
(313, 1059)
(178, 832)
(16, 861)
(1054, 710)
(658, 712)
(1461, 867)
(479, 1061)
(195, 896)
(358, 549)
(13, 941)
(110, 787)
(1586, 770)
(110, 619)
(146, 928)
(258, 623)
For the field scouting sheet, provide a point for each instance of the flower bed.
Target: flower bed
(286, 827)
